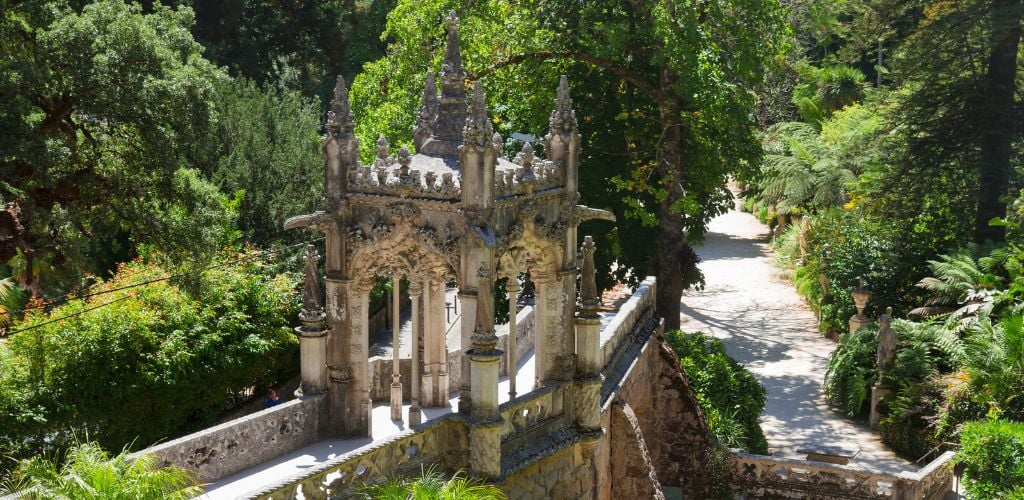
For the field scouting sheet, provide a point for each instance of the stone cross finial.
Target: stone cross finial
(589, 300)
(339, 118)
(563, 118)
(382, 147)
(477, 131)
(312, 301)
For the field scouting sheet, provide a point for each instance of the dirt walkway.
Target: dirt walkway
(765, 325)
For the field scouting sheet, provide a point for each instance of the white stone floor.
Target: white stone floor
(237, 485)
(750, 305)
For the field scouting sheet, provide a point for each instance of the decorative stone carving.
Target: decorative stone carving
(860, 295)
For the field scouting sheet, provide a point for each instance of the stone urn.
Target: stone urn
(860, 295)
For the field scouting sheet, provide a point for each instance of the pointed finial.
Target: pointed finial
(589, 301)
(478, 126)
(382, 147)
(497, 142)
(525, 158)
(428, 112)
(339, 118)
(452, 74)
(404, 159)
(563, 118)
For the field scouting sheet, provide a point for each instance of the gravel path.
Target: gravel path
(765, 325)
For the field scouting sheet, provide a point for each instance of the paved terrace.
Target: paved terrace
(750, 305)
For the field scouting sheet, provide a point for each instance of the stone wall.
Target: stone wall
(441, 443)
(632, 471)
(568, 473)
(759, 476)
(220, 451)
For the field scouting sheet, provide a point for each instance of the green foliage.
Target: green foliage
(268, 148)
(155, 363)
(995, 364)
(731, 398)
(994, 455)
(431, 485)
(89, 472)
(103, 107)
(851, 371)
(825, 90)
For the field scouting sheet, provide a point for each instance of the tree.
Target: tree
(89, 472)
(961, 111)
(679, 73)
(102, 108)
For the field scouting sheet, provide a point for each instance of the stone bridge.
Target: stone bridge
(653, 438)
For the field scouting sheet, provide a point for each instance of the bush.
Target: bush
(155, 363)
(851, 371)
(731, 398)
(994, 455)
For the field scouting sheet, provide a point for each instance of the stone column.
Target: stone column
(485, 359)
(396, 374)
(587, 383)
(359, 351)
(312, 334)
(439, 343)
(562, 317)
(513, 295)
(542, 286)
(428, 377)
(341, 418)
(467, 300)
(415, 294)
(885, 356)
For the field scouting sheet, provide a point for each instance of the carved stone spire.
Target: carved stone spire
(478, 131)
(446, 128)
(339, 118)
(428, 112)
(453, 75)
(563, 118)
(525, 158)
(382, 147)
(589, 301)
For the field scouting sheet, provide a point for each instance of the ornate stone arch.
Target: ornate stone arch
(402, 242)
(528, 250)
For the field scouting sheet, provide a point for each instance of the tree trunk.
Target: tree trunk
(671, 240)
(998, 112)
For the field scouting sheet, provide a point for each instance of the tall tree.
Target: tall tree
(681, 70)
(101, 108)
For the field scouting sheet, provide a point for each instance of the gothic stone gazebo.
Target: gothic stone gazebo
(453, 210)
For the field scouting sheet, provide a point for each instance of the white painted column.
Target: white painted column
(396, 374)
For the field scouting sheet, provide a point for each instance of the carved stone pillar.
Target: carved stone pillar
(341, 399)
(467, 302)
(312, 353)
(485, 359)
(547, 318)
(587, 383)
(415, 294)
(513, 295)
(359, 348)
(396, 374)
(563, 331)
(439, 343)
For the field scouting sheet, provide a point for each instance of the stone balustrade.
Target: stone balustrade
(241, 443)
(533, 414)
(442, 443)
(510, 182)
(634, 311)
(762, 476)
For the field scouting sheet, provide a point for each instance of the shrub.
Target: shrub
(431, 485)
(994, 456)
(851, 371)
(731, 398)
(154, 363)
(89, 472)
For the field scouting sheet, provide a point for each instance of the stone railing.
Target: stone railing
(222, 450)
(509, 182)
(634, 311)
(761, 476)
(442, 442)
(380, 368)
(533, 415)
